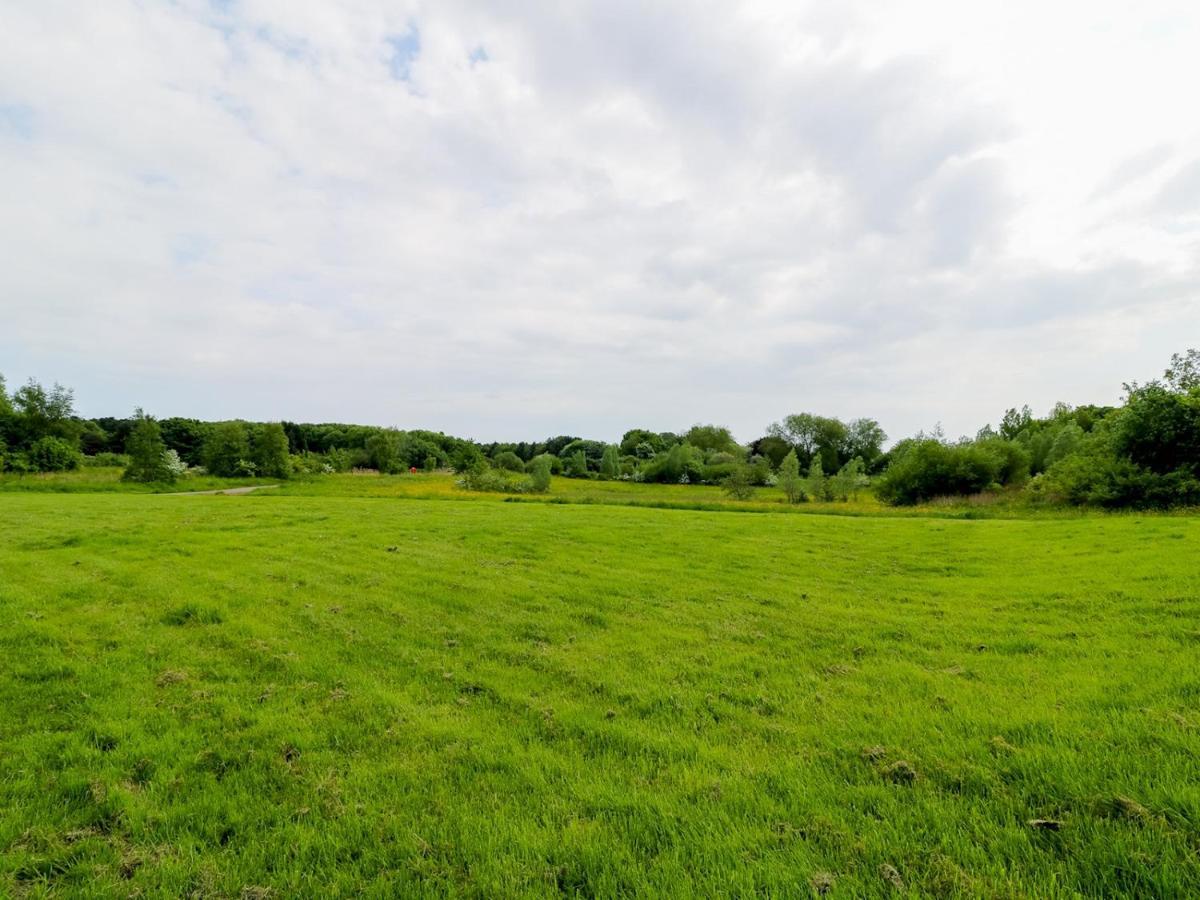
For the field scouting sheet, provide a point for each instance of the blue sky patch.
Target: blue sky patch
(405, 49)
(16, 120)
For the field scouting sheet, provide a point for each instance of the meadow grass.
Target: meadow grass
(105, 479)
(317, 692)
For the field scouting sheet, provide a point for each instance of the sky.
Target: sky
(512, 220)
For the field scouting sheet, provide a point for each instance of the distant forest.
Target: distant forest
(1144, 453)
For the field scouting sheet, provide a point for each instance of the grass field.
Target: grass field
(323, 691)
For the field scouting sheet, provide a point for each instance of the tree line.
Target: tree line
(1143, 453)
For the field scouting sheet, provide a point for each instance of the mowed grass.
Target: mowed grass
(336, 695)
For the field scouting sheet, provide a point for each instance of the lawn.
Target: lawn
(329, 691)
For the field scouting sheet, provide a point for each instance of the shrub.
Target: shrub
(53, 454)
(539, 474)
(508, 461)
(466, 457)
(719, 473)
(484, 478)
(1098, 475)
(681, 464)
(174, 466)
(556, 465)
(739, 484)
(924, 468)
(575, 465)
(1160, 429)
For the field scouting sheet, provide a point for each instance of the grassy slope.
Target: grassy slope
(332, 694)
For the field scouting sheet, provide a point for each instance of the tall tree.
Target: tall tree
(789, 478)
(147, 452)
(43, 413)
(1183, 374)
(813, 435)
(610, 462)
(864, 439)
(227, 450)
(271, 451)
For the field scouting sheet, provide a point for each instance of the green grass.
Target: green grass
(325, 694)
(90, 480)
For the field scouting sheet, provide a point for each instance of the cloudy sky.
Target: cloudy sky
(509, 220)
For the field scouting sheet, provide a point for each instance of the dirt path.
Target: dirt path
(227, 491)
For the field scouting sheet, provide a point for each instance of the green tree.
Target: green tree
(270, 451)
(555, 464)
(849, 480)
(465, 457)
(227, 450)
(610, 462)
(539, 474)
(1015, 421)
(864, 439)
(771, 447)
(39, 413)
(383, 452)
(1160, 429)
(92, 438)
(508, 461)
(712, 439)
(818, 484)
(575, 465)
(641, 443)
(1183, 374)
(789, 478)
(681, 464)
(739, 484)
(186, 437)
(813, 435)
(147, 452)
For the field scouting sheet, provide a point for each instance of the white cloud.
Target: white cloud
(586, 217)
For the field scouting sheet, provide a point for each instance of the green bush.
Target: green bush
(575, 465)
(1160, 429)
(681, 464)
(924, 468)
(610, 462)
(508, 461)
(539, 474)
(501, 481)
(556, 465)
(739, 484)
(53, 454)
